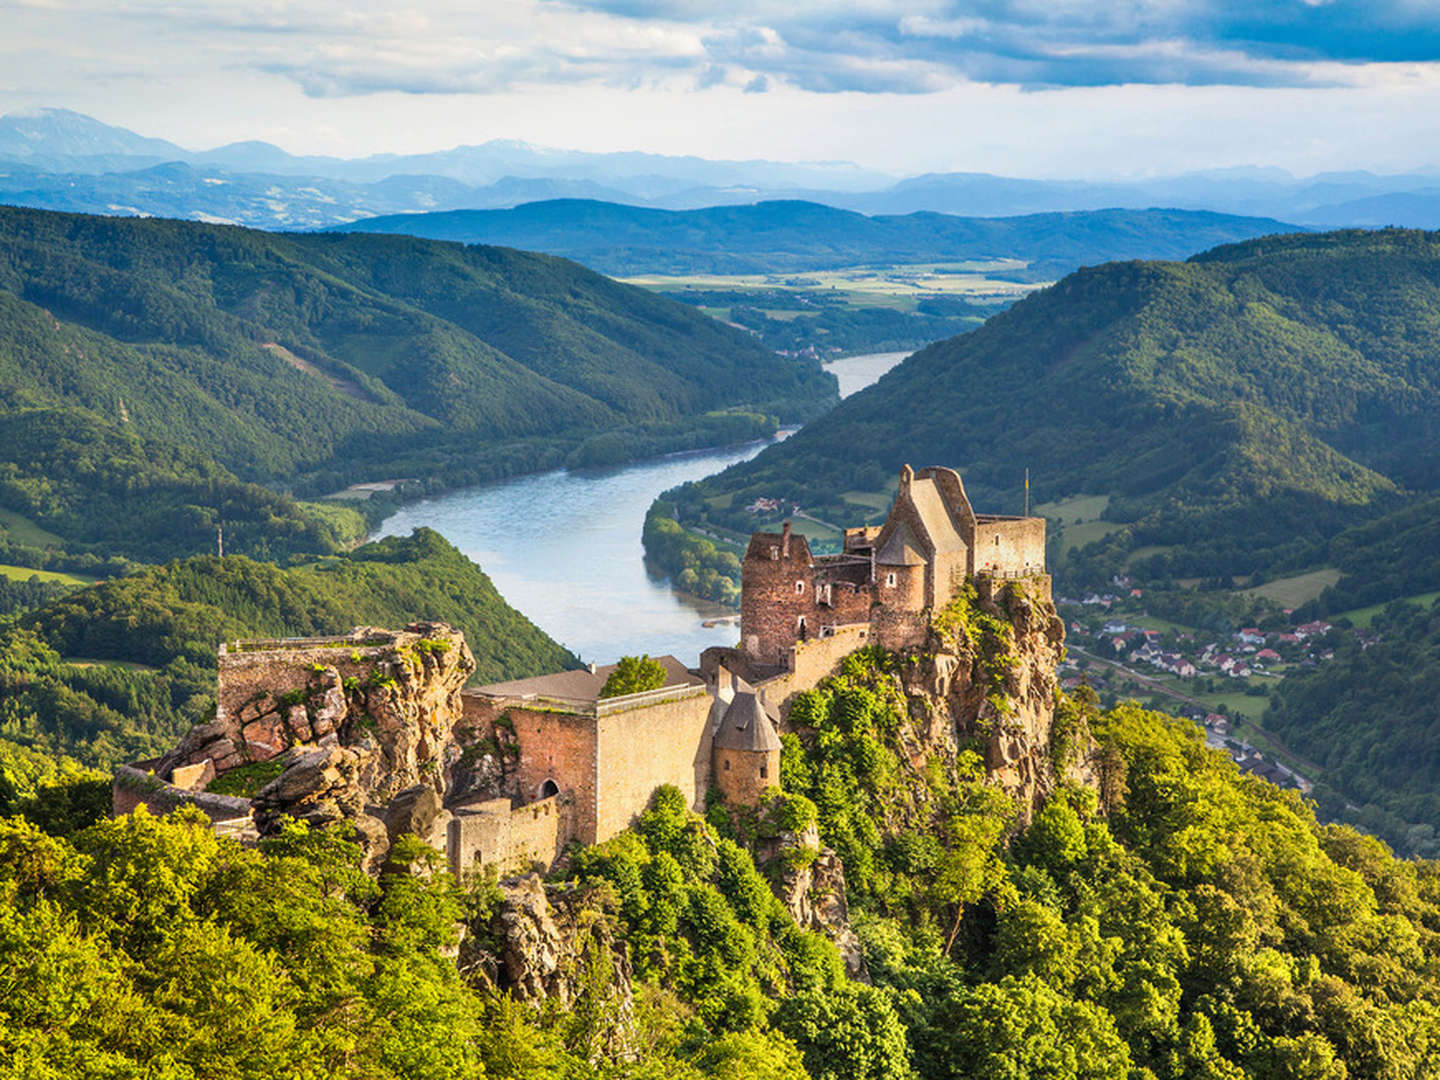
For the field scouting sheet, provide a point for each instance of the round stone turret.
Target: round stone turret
(746, 752)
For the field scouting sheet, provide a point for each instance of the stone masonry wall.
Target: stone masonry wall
(509, 839)
(251, 681)
(559, 747)
(1010, 546)
(810, 661)
(137, 785)
(770, 602)
(640, 749)
(743, 776)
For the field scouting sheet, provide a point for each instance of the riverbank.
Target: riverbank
(564, 545)
(708, 564)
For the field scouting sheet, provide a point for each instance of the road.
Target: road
(1281, 750)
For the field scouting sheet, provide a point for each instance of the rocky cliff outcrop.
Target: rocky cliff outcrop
(347, 729)
(550, 946)
(810, 881)
(986, 677)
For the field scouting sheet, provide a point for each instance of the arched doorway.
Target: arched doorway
(549, 788)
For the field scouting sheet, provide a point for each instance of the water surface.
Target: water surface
(564, 547)
(857, 372)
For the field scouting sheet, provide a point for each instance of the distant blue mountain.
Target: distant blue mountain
(789, 236)
(57, 159)
(1407, 209)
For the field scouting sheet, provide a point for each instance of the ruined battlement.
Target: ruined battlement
(887, 576)
(374, 727)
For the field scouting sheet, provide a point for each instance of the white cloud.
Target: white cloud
(919, 84)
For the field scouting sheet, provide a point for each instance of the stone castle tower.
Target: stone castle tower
(745, 751)
(888, 577)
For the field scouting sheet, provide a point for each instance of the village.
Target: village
(1220, 679)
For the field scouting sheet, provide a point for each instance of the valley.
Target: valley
(1238, 537)
(1191, 495)
(603, 540)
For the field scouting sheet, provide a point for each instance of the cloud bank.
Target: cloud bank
(331, 48)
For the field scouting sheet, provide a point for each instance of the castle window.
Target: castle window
(890, 580)
(727, 764)
(997, 539)
(764, 771)
(548, 789)
(799, 587)
(774, 552)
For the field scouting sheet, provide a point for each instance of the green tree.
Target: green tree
(633, 675)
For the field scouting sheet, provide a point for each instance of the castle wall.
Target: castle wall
(640, 749)
(252, 674)
(563, 748)
(777, 588)
(1010, 546)
(810, 661)
(743, 776)
(137, 785)
(899, 628)
(908, 591)
(949, 574)
(838, 602)
(511, 840)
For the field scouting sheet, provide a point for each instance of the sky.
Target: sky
(1020, 87)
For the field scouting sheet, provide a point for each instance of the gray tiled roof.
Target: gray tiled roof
(745, 726)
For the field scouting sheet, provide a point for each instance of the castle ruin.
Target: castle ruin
(375, 727)
(886, 578)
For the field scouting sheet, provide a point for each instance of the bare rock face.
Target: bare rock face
(810, 881)
(484, 761)
(990, 677)
(370, 833)
(411, 709)
(531, 953)
(548, 945)
(418, 811)
(813, 891)
(317, 787)
(354, 728)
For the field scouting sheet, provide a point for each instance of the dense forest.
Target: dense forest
(120, 670)
(105, 491)
(1371, 719)
(1242, 408)
(792, 236)
(1181, 922)
(185, 357)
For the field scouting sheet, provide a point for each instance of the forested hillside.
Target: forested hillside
(1189, 923)
(1371, 719)
(103, 489)
(311, 362)
(1239, 409)
(791, 236)
(119, 670)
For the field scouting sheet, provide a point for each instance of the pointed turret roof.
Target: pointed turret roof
(746, 726)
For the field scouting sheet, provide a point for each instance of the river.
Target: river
(564, 547)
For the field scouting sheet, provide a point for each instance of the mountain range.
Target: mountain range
(311, 362)
(790, 236)
(61, 160)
